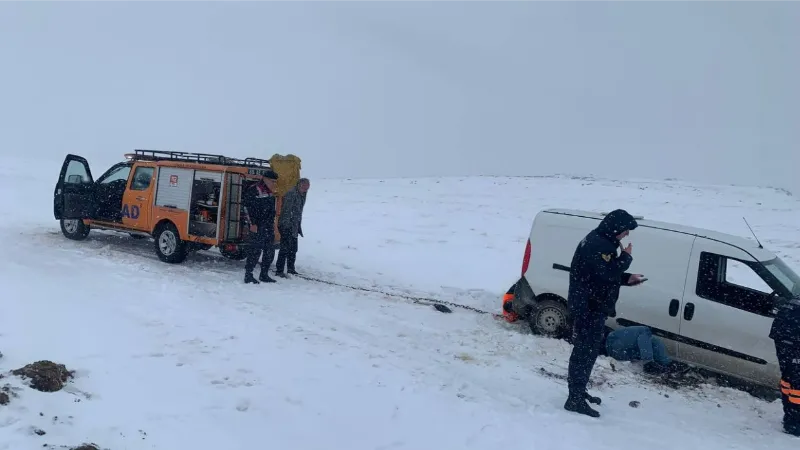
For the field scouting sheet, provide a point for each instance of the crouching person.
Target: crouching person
(290, 225)
(638, 343)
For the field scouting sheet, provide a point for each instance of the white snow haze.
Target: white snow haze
(705, 91)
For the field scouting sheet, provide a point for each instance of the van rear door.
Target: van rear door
(73, 197)
(663, 257)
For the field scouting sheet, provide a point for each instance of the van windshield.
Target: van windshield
(784, 274)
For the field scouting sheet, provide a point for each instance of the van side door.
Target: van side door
(663, 257)
(727, 314)
(138, 198)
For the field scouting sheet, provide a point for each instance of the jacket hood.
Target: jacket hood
(615, 223)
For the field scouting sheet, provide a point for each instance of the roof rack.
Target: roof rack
(199, 158)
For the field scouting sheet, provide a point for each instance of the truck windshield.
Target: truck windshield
(784, 274)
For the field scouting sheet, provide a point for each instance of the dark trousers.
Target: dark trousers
(789, 361)
(587, 337)
(288, 252)
(261, 241)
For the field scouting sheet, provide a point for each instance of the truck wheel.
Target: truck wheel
(549, 318)
(169, 246)
(74, 229)
(237, 255)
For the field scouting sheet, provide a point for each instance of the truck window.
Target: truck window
(734, 283)
(142, 178)
(115, 174)
(76, 173)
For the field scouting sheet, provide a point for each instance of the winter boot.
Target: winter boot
(790, 428)
(655, 368)
(577, 404)
(280, 273)
(266, 278)
(292, 272)
(249, 278)
(592, 399)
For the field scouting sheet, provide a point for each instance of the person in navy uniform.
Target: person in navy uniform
(259, 203)
(596, 274)
(785, 332)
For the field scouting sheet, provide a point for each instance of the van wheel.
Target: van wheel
(74, 229)
(169, 246)
(549, 318)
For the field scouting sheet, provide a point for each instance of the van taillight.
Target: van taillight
(526, 259)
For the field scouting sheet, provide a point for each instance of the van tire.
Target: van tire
(74, 229)
(169, 246)
(549, 318)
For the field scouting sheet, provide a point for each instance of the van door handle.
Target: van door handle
(141, 199)
(674, 304)
(688, 311)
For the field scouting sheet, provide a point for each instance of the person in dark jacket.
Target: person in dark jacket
(259, 203)
(596, 274)
(785, 333)
(290, 225)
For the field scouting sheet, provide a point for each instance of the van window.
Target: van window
(785, 275)
(740, 274)
(734, 283)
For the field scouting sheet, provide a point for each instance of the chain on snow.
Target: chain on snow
(415, 299)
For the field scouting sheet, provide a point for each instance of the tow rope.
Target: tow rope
(439, 305)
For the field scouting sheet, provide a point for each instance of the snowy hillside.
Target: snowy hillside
(188, 357)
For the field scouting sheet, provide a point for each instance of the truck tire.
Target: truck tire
(549, 318)
(169, 246)
(74, 229)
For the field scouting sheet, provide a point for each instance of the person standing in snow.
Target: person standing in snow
(596, 274)
(785, 332)
(290, 225)
(259, 203)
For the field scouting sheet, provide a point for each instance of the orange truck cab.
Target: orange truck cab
(185, 201)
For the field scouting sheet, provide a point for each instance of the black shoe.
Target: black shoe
(677, 367)
(281, 274)
(579, 405)
(249, 278)
(266, 279)
(292, 272)
(655, 368)
(591, 399)
(790, 429)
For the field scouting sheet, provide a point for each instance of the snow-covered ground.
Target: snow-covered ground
(187, 357)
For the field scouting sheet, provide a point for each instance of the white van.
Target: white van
(710, 296)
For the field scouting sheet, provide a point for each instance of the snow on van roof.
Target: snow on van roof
(747, 244)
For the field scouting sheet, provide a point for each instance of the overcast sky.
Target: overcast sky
(640, 89)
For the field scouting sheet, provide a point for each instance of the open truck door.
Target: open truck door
(73, 198)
